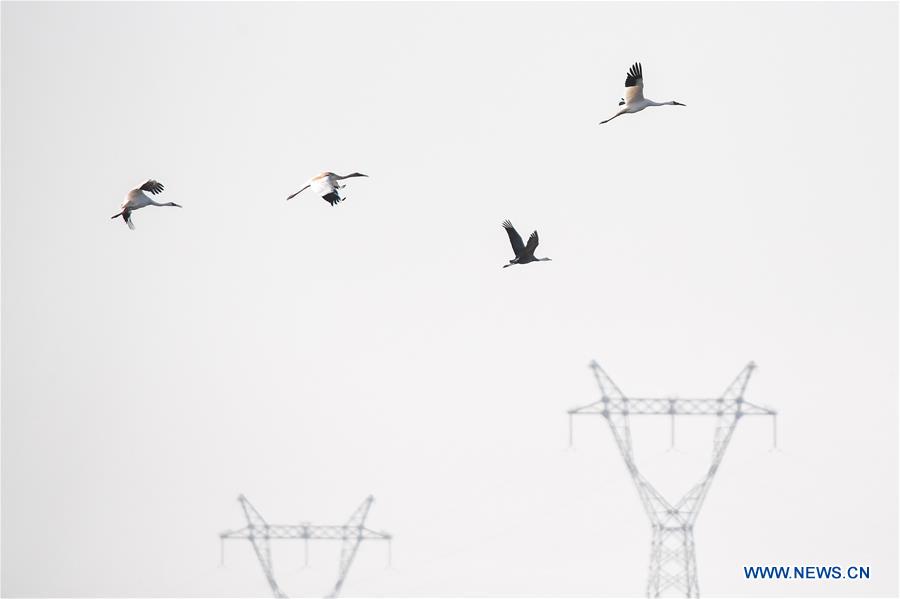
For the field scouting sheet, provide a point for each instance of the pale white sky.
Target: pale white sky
(307, 356)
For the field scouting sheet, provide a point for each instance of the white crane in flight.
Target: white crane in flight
(327, 185)
(634, 100)
(137, 199)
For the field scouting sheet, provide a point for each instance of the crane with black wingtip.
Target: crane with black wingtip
(326, 185)
(137, 199)
(633, 100)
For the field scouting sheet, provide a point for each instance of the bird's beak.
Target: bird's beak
(177, 205)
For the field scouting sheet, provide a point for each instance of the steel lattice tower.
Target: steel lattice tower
(259, 533)
(673, 565)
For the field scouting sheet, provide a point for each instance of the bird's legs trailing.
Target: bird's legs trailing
(620, 113)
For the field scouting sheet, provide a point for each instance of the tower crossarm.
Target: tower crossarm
(305, 531)
(677, 406)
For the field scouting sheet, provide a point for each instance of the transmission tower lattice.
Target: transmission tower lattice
(259, 533)
(673, 566)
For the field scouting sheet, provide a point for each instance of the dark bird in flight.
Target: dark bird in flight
(524, 253)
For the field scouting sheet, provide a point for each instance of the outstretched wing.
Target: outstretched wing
(634, 84)
(514, 238)
(126, 215)
(152, 186)
(532, 244)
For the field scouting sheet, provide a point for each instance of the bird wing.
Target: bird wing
(532, 244)
(127, 216)
(514, 238)
(332, 198)
(634, 84)
(152, 186)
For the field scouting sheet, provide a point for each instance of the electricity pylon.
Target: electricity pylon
(259, 533)
(673, 566)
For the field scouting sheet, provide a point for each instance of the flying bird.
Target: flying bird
(137, 199)
(524, 253)
(634, 100)
(327, 185)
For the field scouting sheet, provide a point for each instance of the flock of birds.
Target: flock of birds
(327, 184)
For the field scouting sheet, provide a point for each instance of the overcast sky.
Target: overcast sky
(308, 355)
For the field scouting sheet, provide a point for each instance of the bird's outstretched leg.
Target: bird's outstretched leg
(620, 113)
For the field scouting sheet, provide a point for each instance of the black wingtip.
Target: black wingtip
(333, 198)
(634, 74)
(153, 186)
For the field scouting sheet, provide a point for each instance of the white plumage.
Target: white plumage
(327, 185)
(633, 99)
(137, 199)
